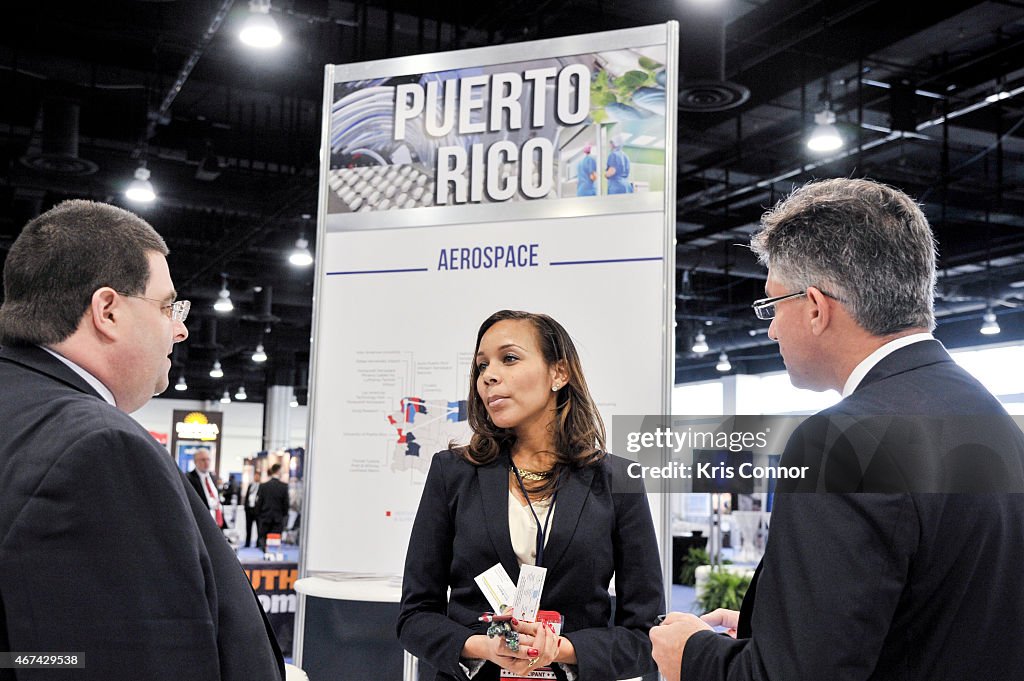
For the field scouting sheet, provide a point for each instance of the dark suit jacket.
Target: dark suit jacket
(104, 549)
(272, 504)
(245, 496)
(461, 530)
(899, 579)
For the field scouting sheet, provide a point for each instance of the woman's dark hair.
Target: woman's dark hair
(579, 436)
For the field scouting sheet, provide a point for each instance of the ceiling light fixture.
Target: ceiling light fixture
(301, 257)
(260, 355)
(226, 398)
(181, 385)
(240, 395)
(294, 402)
(700, 343)
(260, 30)
(825, 135)
(223, 303)
(216, 371)
(989, 326)
(140, 189)
(723, 363)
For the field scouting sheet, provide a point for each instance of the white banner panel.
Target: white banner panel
(456, 185)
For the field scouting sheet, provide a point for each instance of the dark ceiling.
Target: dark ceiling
(232, 139)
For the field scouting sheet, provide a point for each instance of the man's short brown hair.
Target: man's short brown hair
(61, 258)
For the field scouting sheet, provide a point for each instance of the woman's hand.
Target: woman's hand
(539, 646)
(554, 649)
(481, 647)
(535, 650)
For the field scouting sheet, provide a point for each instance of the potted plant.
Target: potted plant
(723, 589)
(694, 558)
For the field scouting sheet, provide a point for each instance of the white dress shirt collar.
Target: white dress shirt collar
(869, 362)
(86, 376)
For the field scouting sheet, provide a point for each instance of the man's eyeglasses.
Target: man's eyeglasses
(765, 307)
(177, 311)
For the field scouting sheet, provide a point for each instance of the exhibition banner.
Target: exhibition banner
(455, 185)
(274, 585)
(192, 430)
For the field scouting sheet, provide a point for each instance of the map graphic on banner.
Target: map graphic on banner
(420, 427)
(482, 135)
(401, 401)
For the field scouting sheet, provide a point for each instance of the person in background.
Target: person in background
(251, 517)
(617, 168)
(206, 484)
(230, 490)
(892, 575)
(533, 486)
(586, 173)
(105, 551)
(271, 506)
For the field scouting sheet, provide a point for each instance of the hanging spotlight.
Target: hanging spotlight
(301, 257)
(240, 395)
(224, 303)
(723, 363)
(989, 326)
(216, 371)
(226, 398)
(700, 343)
(141, 189)
(998, 97)
(294, 402)
(825, 136)
(260, 355)
(181, 385)
(260, 30)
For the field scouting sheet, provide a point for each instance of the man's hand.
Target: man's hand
(669, 640)
(730, 619)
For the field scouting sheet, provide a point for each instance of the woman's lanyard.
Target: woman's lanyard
(541, 534)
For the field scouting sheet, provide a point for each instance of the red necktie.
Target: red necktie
(218, 512)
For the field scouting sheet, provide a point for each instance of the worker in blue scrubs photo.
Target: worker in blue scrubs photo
(586, 173)
(617, 170)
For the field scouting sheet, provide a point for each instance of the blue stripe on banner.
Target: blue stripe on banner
(412, 269)
(602, 262)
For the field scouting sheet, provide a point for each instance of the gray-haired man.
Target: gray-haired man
(895, 576)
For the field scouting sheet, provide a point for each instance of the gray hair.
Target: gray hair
(861, 241)
(61, 258)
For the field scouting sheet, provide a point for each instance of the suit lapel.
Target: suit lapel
(41, 361)
(494, 492)
(905, 359)
(568, 510)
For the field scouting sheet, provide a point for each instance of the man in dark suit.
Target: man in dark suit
(104, 550)
(249, 501)
(909, 568)
(272, 505)
(206, 484)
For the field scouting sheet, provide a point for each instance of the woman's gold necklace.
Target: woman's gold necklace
(532, 476)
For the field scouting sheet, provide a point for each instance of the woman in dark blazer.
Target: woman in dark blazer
(536, 430)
